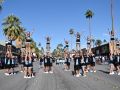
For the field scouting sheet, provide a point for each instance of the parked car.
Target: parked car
(57, 62)
(61, 60)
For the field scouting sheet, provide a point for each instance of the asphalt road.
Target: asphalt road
(61, 80)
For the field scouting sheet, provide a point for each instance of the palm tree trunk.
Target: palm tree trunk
(71, 42)
(112, 18)
(89, 28)
(90, 35)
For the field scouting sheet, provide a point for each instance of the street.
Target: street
(61, 80)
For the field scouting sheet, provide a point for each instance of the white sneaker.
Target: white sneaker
(11, 73)
(84, 75)
(111, 73)
(33, 76)
(29, 77)
(45, 72)
(78, 75)
(119, 74)
(69, 70)
(21, 71)
(25, 77)
(51, 72)
(94, 71)
(91, 70)
(66, 70)
(87, 71)
(7, 74)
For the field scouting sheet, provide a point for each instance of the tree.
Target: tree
(11, 27)
(71, 32)
(54, 53)
(42, 50)
(39, 44)
(21, 38)
(58, 52)
(33, 44)
(59, 46)
(104, 41)
(35, 49)
(98, 42)
(89, 14)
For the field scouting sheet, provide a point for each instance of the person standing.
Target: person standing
(111, 57)
(28, 66)
(92, 63)
(77, 61)
(46, 64)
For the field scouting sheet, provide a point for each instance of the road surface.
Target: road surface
(61, 80)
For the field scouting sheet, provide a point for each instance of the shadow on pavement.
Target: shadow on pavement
(106, 72)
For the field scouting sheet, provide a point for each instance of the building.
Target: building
(102, 50)
(15, 51)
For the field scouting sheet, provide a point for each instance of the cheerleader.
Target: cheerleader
(12, 65)
(92, 63)
(22, 63)
(7, 64)
(67, 63)
(118, 63)
(111, 57)
(28, 66)
(84, 65)
(41, 61)
(50, 64)
(115, 64)
(77, 61)
(86, 60)
(46, 64)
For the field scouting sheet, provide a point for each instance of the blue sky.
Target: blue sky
(54, 18)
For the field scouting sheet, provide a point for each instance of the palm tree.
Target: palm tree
(89, 14)
(21, 38)
(98, 42)
(33, 44)
(59, 50)
(60, 46)
(38, 52)
(39, 44)
(42, 50)
(104, 41)
(54, 53)
(11, 27)
(71, 32)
